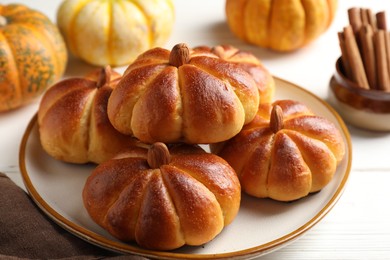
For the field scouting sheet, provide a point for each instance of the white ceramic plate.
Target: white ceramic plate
(261, 226)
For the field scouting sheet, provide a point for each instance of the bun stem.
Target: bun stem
(180, 55)
(276, 120)
(104, 76)
(158, 155)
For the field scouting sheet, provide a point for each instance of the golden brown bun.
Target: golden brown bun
(247, 61)
(182, 95)
(287, 160)
(73, 122)
(184, 196)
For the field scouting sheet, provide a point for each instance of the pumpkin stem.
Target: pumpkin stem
(158, 155)
(276, 120)
(104, 76)
(3, 21)
(180, 54)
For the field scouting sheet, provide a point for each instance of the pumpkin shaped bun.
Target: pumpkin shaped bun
(247, 61)
(285, 153)
(183, 95)
(32, 55)
(163, 198)
(73, 122)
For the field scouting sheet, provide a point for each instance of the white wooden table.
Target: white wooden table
(358, 227)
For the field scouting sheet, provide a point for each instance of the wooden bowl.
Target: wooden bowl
(368, 109)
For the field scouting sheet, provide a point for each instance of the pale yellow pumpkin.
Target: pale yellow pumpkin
(114, 32)
(282, 25)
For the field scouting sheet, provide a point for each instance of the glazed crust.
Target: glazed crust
(264, 81)
(73, 121)
(204, 100)
(187, 201)
(286, 165)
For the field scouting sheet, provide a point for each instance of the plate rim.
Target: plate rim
(119, 247)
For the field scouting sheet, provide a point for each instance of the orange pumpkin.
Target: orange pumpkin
(282, 25)
(32, 55)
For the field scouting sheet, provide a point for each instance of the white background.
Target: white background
(358, 227)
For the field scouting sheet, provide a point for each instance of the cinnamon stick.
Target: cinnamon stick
(365, 49)
(355, 61)
(355, 20)
(387, 44)
(371, 19)
(364, 16)
(381, 60)
(381, 21)
(368, 54)
(344, 55)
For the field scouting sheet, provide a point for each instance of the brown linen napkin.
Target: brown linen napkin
(27, 233)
